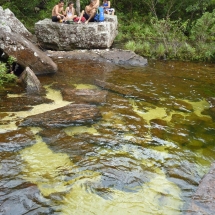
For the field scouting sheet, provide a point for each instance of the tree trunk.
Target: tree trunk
(78, 7)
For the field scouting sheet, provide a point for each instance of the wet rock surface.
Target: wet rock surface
(203, 199)
(177, 105)
(125, 177)
(17, 195)
(211, 101)
(59, 36)
(22, 103)
(158, 128)
(84, 96)
(17, 139)
(31, 82)
(26, 53)
(124, 91)
(112, 56)
(211, 110)
(68, 115)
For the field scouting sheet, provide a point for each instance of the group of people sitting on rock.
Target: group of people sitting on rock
(87, 15)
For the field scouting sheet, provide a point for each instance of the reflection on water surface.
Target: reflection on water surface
(144, 156)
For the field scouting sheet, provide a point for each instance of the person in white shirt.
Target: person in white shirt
(70, 12)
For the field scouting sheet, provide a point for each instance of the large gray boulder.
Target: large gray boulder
(9, 23)
(15, 40)
(59, 36)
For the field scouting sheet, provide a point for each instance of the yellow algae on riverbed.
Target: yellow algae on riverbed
(46, 169)
(12, 117)
(161, 112)
(86, 86)
(199, 107)
(43, 168)
(158, 196)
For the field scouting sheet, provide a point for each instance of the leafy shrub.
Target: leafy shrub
(160, 51)
(205, 51)
(203, 30)
(144, 49)
(6, 77)
(186, 52)
(130, 45)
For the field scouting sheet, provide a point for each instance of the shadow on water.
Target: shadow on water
(145, 155)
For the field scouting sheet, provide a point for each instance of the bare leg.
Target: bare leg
(82, 13)
(91, 16)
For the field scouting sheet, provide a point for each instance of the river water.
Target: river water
(146, 155)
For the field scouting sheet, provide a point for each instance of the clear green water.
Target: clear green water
(146, 155)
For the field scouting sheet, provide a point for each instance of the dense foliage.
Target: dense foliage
(164, 29)
(5, 72)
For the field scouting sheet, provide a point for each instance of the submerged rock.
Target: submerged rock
(65, 116)
(211, 110)
(158, 128)
(125, 91)
(16, 140)
(203, 199)
(183, 106)
(211, 101)
(58, 36)
(22, 103)
(84, 96)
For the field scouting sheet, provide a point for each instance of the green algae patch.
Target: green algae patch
(43, 168)
(71, 131)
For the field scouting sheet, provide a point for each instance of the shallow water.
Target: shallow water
(146, 155)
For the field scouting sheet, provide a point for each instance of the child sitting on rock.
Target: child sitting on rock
(107, 8)
(58, 12)
(70, 12)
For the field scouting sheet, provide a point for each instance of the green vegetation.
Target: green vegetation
(170, 39)
(158, 29)
(5, 75)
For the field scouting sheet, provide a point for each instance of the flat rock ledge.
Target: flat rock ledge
(66, 37)
(203, 201)
(80, 96)
(72, 114)
(113, 56)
